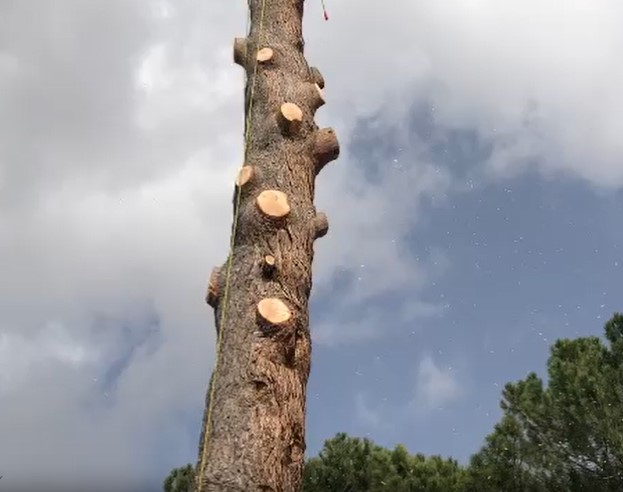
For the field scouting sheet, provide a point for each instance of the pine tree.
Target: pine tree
(253, 436)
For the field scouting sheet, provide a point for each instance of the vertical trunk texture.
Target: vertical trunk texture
(255, 440)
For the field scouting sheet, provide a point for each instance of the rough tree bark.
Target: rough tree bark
(256, 438)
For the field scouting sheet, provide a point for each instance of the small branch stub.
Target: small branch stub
(321, 225)
(269, 263)
(318, 96)
(290, 117)
(240, 51)
(213, 288)
(264, 55)
(326, 147)
(317, 77)
(245, 175)
(273, 203)
(273, 311)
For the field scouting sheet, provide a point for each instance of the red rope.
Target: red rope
(324, 11)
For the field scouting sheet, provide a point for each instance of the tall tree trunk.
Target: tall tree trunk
(255, 440)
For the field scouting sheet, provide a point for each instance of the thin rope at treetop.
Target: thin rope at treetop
(324, 10)
(229, 260)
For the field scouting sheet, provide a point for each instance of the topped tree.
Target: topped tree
(253, 436)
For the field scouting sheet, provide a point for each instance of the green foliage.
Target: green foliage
(348, 464)
(180, 480)
(568, 436)
(500, 465)
(563, 437)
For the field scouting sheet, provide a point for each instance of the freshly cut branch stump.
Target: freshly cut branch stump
(264, 55)
(321, 225)
(326, 147)
(290, 117)
(273, 203)
(240, 51)
(245, 175)
(213, 288)
(318, 96)
(317, 77)
(273, 311)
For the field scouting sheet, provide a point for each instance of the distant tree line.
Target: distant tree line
(566, 436)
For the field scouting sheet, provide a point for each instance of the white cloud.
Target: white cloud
(539, 78)
(20, 356)
(372, 321)
(435, 386)
(431, 388)
(366, 415)
(120, 132)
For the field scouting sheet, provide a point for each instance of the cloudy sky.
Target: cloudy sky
(475, 217)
